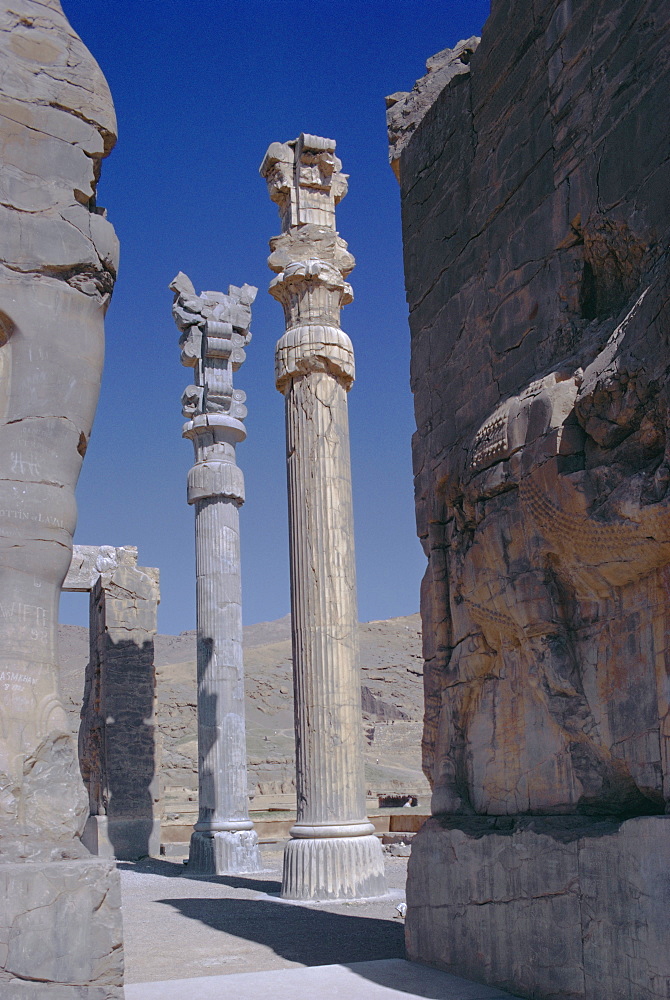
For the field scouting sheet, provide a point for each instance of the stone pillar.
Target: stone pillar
(60, 922)
(215, 330)
(333, 853)
(118, 749)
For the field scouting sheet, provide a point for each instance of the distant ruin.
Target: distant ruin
(534, 183)
(119, 755)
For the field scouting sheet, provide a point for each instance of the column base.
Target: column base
(333, 868)
(226, 852)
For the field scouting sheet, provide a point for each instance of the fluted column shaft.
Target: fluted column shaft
(221, 736)
(223, 840)
(323, 596)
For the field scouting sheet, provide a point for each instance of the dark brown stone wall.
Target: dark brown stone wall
(535, 218)
(536, 215)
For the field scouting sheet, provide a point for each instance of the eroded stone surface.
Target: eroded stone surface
(60, 931)
(536, 232)
(58, 258)
(550, 907)
(405, 110)
(119, 753)
(540, 372)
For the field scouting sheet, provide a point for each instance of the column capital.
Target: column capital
(310, 259)
(315, 348)
(214, 329)
(305, 179)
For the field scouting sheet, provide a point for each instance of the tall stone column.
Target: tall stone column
(215, 330)
(333, 853)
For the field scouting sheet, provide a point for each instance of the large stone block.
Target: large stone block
(559, 908)
(125, 838)
(60, 931)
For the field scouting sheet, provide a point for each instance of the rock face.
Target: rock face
(535, 224)
(58, 257)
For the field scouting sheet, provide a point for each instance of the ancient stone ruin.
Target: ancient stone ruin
(333, 852)
(535, 218)
(119, 754)
(60, 924)
(214, 331)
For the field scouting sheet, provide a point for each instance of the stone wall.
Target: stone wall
(535, 224)
(119, 752)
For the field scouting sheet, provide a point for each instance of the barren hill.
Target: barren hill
(392, 692)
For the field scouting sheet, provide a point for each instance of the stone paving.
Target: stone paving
(211, 937)
(388, 979)
(178, 926)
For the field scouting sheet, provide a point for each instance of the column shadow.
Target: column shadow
(298, 933)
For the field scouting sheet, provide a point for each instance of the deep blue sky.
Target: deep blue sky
(201, 88)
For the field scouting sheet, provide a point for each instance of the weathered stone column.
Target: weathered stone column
(334, 853)
(215, 329)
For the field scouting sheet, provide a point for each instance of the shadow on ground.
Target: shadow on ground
(298, 933)
(307, 935)
(173, 869)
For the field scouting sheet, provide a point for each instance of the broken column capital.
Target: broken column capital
(310, 259)
(214, 329)
(305, 180)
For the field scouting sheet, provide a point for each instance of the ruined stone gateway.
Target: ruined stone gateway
(534, 181)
